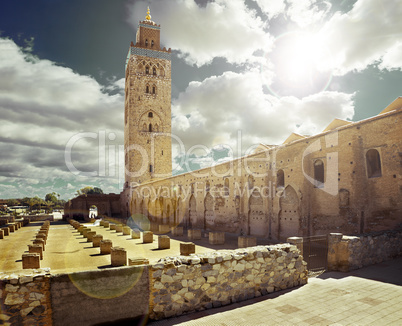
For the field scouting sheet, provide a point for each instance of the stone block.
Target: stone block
(118, 256)
(177, 231)
(119, 228)
(81, 229)
(217, 238)
(187, 248)
(126, 230)
(164, 228)
(102, 223)
(85, 231)
(147, 237)
(16, 226)
(90, 235)
(137, 261)
(11, 227)
(194, 234)
(1, 234)
(36, 248)
(42, 237)
(244, 242)
(106, 224)
(96, 240)
(105, 246)
(40, 242)
(163, 242)
(135, 234)
(6, 231)
(112, 226)
(30, 261)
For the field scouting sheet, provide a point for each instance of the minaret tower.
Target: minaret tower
(147, 113)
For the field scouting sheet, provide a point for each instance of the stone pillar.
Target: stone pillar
(112, 226)
(11, 227)
(147, 237)
(36, 248)
(119, 228)
(164, 228)
(177, 231)
(126, 230)
(246, 241)
(194, 234)
(16, 226)
(102, 222)
(81, 228)
(85, 231)
(1, 234)
(90, 235)
(105, 246)
(187, 248)
(137, 261)
(297, 241)
(106, 224)
(217, 238)
(118, 256)
(30, 261)
(135, 234)
(163, 242)
(96, 240)
(6, 231)
(40, 242)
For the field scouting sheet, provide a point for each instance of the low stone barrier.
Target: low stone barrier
(346, 253)
(203, 281)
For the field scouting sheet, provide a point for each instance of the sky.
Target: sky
(244, 72)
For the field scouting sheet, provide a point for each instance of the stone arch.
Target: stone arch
(209, 215)
(147, 70)
(162, 71)
(319, 177)
(280, 179)
(140, 68)
(226, 188)
(250, 182)
(192, 211)
(257, 222)
(289, 214)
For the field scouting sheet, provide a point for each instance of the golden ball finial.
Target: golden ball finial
(148, 16)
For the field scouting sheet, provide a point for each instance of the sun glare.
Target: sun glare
(298, 62)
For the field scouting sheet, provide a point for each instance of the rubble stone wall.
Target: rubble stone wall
(185, 284)
(25, 300)
(346, 253)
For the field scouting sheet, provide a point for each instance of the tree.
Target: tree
(89, 191)
(51, 197)
(12, 202)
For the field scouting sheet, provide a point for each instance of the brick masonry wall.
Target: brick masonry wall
(25, 300)
(185, 284)
(347, 253)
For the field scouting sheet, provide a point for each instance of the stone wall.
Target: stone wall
(347, 253)
(88, 298)
(185, 284)
(25, 299)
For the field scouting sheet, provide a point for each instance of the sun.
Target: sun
(299, 64)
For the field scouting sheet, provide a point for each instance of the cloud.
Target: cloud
(223, 28)
(42, 106)
(232, 109)
(366, 35)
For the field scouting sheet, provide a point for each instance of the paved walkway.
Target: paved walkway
(369, 296)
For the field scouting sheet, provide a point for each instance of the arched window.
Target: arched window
(280, 179)
(150, 127)
(373, 163)
(147, 70)
(154, 89)
(154, 71)
(146, 42)
(207, 186)
(152, 43)
(319, 173)
(150, 115)
(150, 168)
(147, 89)
(156, 129)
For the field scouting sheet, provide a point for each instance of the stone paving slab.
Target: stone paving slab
(331, 299)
